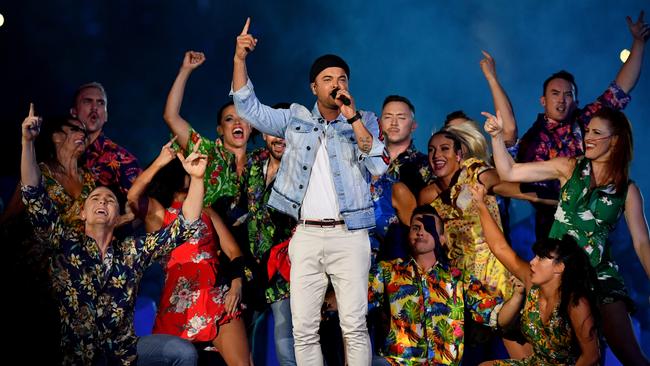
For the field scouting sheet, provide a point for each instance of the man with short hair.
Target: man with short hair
(425, 300)
(109, 163)
(407, 164)
(95, 276)
(331, 153)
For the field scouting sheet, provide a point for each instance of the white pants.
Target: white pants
(345, 256)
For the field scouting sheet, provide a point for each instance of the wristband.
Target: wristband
(355, 118)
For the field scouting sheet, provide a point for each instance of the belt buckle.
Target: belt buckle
(328, 223)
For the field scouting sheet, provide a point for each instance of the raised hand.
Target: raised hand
(245, 42)
(347, 110)
(488, 66)
(493, 124)
(192, 60)
(167, 153)
(640, 29)
(478, 193)
(31, 126)
(195, 163)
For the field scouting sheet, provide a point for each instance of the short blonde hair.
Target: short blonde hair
(474, 143)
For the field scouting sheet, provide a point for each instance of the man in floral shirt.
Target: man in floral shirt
(559, 130)
(95, 276)
(425, 300)
(109, 163)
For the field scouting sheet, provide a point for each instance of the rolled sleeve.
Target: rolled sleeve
(377, 159)
(264, 118)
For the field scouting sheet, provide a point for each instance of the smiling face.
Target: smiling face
(275, 145)
(234, 130)
(397, 122)
(559, 99)
(598, 139)
(101, 208)
(72, 137)
(443, 158)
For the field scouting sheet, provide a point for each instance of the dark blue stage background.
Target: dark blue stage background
(428, 51)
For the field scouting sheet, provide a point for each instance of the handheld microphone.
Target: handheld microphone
(342, 98)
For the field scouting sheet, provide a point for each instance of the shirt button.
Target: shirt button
(294, 205)
(304, 167)
(300, 186)
(298, 128)
(308, 148)
(315, 128)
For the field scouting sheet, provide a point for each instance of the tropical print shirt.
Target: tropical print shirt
(221, 179)
(552, 342)
(547, 139)
(111, 164)
(427, 310)
(95, 295)
(411, 168)
(266, 226)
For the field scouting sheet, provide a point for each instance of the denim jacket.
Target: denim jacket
(302, 129)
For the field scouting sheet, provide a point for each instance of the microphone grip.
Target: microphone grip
(345, 100)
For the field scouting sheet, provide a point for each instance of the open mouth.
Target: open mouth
(238, 132)
(561, 108)
(101, 211)
(439, 164)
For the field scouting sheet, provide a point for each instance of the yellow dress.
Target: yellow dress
(466, 245)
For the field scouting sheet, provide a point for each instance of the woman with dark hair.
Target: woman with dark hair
(198, 302)
(595, 191)
(558, 318)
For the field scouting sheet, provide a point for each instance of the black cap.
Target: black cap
(326, 61)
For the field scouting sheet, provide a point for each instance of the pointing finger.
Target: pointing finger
(31, 110)
(246, 26)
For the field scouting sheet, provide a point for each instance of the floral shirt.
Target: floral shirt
(266, 227)
(547, 139)
(411, 168)
(111, 164)
(69, 208)
(95, 295)
(427, 310)
(221, 179)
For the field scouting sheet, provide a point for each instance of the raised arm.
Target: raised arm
(638, 226)
(582, 322)
(179, 126)
(500, 98)
(510, 309)
(155, 213)
(403, 201)
(629, 73)
(497, 242)
(30, 174)
(194, 165)
(245, 44)
(558, 168)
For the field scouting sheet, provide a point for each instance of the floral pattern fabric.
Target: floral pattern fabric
(547, 139)
(221, 179)
(467, 248)
(192, 304)
(589, 215)
(411, 168)
(111, 164)
(427, 310)
(69, 208)
(266, 227)
(552, 342)
(95, 295)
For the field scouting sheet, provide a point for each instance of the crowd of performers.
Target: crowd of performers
(337, 226)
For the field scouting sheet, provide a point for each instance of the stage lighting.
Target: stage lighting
(624, 54)
(2, 20)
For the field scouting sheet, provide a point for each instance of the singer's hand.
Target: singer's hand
(245, 42)
(348, 111)
(192, 60)
(31, 125)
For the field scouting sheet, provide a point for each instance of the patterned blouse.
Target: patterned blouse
(427, 311)
(411, 168)
(68, 207)
(221, 179)
(95, 295)
(467, 248)
(111, 164)
(552, 342)
(266, 227)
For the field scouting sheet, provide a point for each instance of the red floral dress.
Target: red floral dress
(192, 305)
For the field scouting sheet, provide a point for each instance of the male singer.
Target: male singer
(331, 153)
